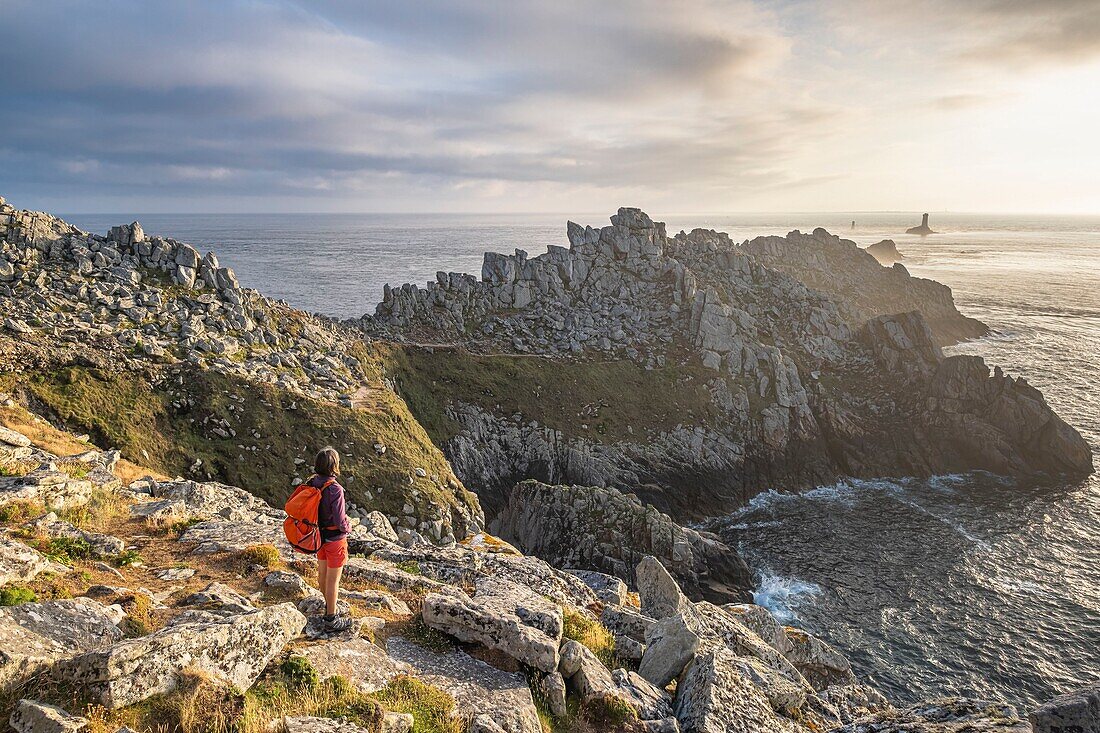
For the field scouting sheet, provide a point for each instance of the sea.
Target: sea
(964, 584)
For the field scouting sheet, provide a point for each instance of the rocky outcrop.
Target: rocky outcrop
(151, 317)
(1077, 712)
(885, 252)
(610, 532)
(817, 363)
(484, 695)
(861, 285)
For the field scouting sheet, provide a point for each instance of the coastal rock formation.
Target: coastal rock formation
(694, 372)
(499, 641)
(605, 530)
(885, 252)
(923, 230)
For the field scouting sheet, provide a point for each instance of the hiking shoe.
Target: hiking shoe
(335, 624)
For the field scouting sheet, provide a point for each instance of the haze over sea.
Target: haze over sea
(966, 584)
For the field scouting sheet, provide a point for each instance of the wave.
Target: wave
(783, 595)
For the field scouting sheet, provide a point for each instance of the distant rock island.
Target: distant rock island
(923, 230)
(886, 252)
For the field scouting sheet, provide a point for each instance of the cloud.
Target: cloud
(1016, 33)
(269, 95)
(370, 104)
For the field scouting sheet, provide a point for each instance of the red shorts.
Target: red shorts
(334, 554)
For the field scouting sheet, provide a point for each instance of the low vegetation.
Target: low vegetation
(201, 424)
(592, 634)
(266, 556)
(604, 401)
(430, 707)
(13, 595)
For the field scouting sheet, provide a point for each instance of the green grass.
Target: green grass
(126, 558)
(614, 399)
(298, 671)
(265, 555)
(412, 567)
(126, 411)
(13, 595)
(66, 550)
(18, 512)
(431, 708)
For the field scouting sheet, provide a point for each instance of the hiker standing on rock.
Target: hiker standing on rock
(317, 522)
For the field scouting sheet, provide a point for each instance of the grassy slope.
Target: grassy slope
(604, 401)
(145, 423)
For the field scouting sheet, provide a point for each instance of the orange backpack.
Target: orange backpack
(301, 523)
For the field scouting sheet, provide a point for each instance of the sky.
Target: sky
(677, 106)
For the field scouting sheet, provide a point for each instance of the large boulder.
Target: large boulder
(714, 696)
(361, 662)
(20, 563)
(659, 593)
(31, 716)
(235, 649)
(1074, 712)
(35, 635)
(503, 616)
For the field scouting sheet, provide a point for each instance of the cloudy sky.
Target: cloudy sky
(679, 106)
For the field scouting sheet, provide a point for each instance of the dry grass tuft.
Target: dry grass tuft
(591, 634)
(265, 555)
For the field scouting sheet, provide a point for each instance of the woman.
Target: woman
(333, 521)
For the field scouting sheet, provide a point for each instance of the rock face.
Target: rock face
(235, 649)
(610, 532)
(885, 252)
(1073, 712)
(799, 361)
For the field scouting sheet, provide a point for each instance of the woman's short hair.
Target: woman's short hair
(327, 462)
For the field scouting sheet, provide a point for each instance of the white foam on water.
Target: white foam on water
(782, 595)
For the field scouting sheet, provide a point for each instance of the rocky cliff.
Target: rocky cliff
(696, 372)
(150, 605)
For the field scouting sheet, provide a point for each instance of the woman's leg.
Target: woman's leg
(322, 578)
(332, 589)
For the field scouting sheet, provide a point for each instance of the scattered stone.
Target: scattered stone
(30, 716)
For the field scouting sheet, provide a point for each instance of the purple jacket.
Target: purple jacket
(332, 512)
